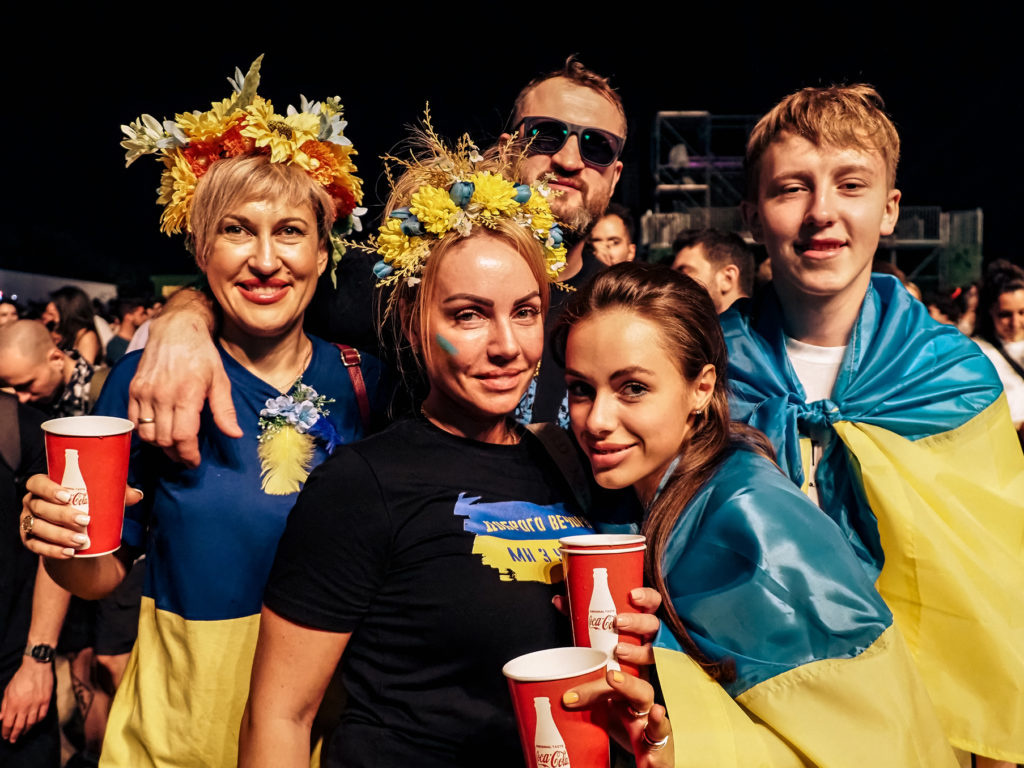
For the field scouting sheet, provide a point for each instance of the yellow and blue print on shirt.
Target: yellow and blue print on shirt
(519, 538)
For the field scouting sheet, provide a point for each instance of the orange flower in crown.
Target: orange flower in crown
(311, 137)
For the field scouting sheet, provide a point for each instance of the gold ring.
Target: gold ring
(653, 746)
(27, 523)
(146, 419)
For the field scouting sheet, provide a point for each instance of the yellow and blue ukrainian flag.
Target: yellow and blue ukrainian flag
(761, 576)
(923, 473)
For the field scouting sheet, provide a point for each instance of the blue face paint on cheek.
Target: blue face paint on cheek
(446, 345)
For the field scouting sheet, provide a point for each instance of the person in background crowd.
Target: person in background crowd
(966, 299)
(261, 233)
(1001, 331)
(141, 335)
(54, 381)
(70, 318)
(894, 424)
(32, 606)
(720, 261)
(8, 312)
(104, 322)
(132, 314)
(613, 236)
(941, 308)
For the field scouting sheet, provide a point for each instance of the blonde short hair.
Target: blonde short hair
(242, 179)
(844, 116)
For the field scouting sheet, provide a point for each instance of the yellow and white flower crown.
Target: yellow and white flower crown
(454, 194)
(311, 137)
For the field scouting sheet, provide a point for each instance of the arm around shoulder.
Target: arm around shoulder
(179, 370)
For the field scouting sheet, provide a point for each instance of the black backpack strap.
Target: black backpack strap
(1013, 363)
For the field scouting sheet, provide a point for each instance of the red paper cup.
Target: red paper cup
(88, 455)
(600, 572)
(551, 735)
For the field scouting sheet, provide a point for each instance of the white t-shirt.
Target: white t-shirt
(817, 368)
(1013, 384)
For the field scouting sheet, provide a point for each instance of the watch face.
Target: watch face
(42, 653)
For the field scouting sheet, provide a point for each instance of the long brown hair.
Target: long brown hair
(692, 337)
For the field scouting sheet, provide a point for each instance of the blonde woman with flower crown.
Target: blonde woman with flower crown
(260, 228)
(426, 556)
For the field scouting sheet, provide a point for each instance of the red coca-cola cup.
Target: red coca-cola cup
(553, 736)
(88, 455)
(600, 572)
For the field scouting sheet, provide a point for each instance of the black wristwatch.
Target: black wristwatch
(42, 653)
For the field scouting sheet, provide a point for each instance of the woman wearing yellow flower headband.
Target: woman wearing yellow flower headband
(427, 555)
(261, 230)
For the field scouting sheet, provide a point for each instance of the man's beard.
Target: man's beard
(577, 223)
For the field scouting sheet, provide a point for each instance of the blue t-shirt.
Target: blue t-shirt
(210, 534)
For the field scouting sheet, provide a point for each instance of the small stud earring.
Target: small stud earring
(699, 412)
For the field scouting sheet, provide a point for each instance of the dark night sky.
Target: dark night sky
(953, 88)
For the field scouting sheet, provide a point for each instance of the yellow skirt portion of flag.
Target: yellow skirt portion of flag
(184, 689)
(950, 511)
(870, 710)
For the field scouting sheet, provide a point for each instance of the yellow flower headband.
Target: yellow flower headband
(454, 196)
(311, 137)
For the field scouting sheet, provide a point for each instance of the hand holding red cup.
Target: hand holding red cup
(88, 456)
(600, 572)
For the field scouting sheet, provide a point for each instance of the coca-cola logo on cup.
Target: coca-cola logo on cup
(552, 758)
(602, 623)
(79, 498)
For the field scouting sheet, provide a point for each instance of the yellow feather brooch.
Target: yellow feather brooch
(289, 424)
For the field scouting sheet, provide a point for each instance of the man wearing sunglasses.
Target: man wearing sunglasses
(574, 127)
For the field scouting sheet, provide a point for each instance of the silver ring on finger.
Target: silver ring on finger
(651, 744)
(28, 522)
(146, 420)
(637, 715)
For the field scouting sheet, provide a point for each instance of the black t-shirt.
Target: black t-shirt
(551, 382)
(347, 312)
(17, 564)
(440, 555)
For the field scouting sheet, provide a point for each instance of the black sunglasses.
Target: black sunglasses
(547, 135)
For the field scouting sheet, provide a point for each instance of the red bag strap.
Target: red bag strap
(351, 359)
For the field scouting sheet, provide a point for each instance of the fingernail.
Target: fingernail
(68, 552)
(82, 519)
(622, 649)
(141, 494)
(637, 593)
(80, 539)
(64, 496)
(617, 676)
(621, 621)
(570, 697)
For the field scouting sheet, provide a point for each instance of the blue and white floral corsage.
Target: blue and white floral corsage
(288, 426)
